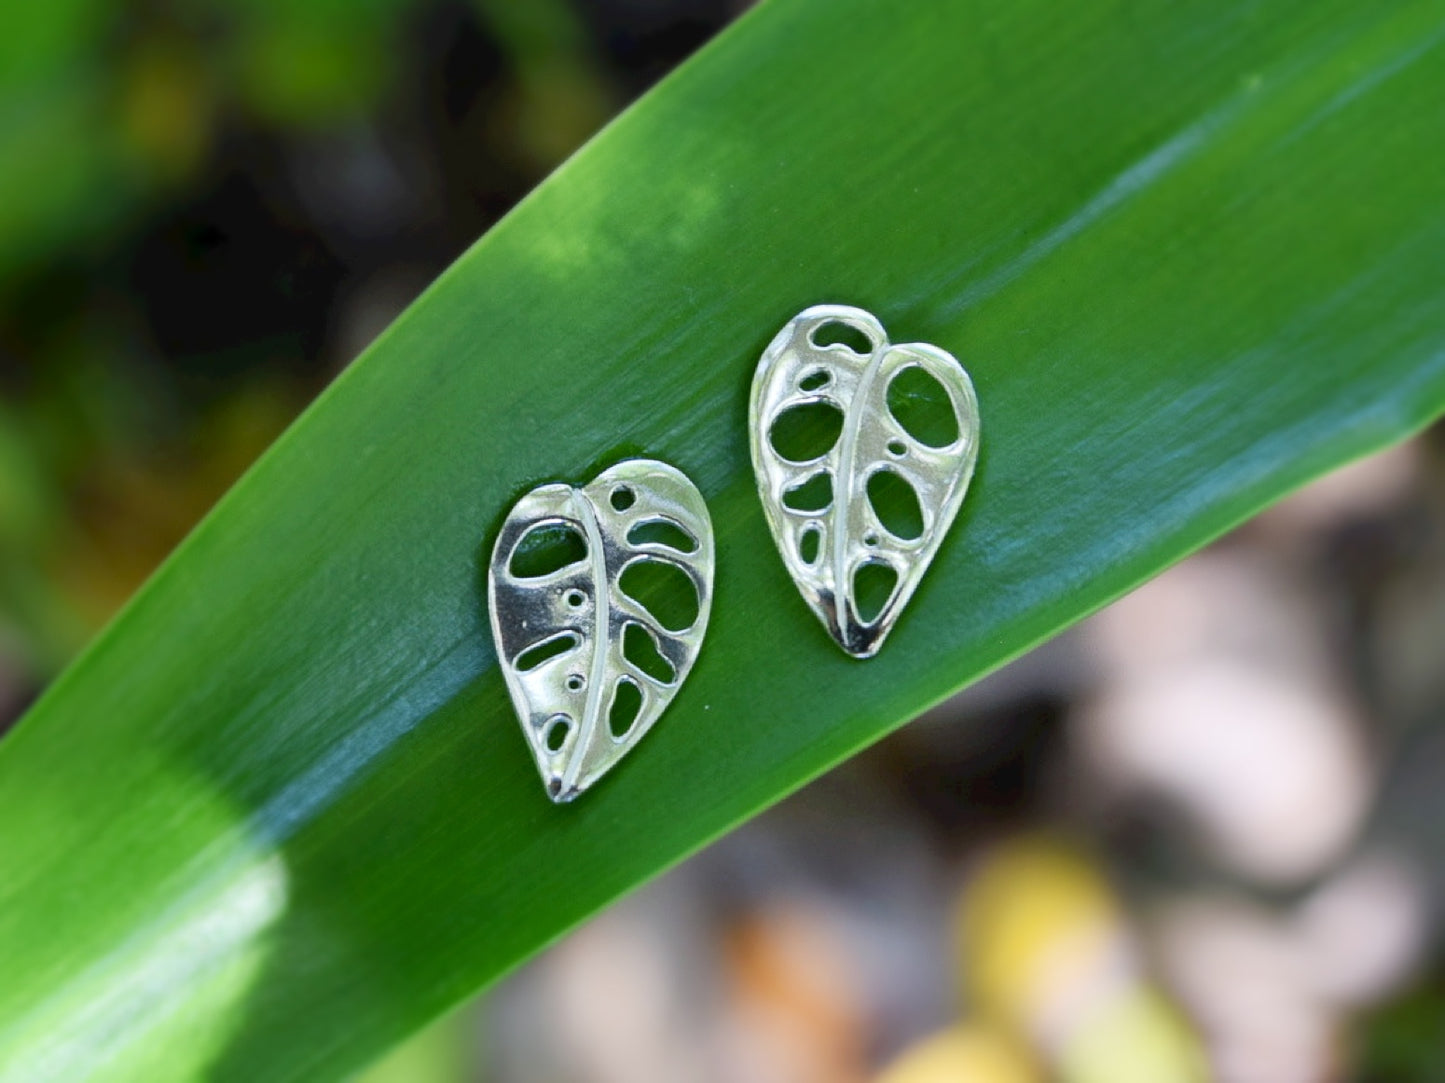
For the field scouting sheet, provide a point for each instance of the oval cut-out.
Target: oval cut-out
(664, 590)
(547, 548)
(896, 504)
(815, 494)
(838, 333)
(549, 648)
(803, 433)
(626, 706)
(808, 542)
(558, 728)
(920, 404)
(662, 532)
(873, 584)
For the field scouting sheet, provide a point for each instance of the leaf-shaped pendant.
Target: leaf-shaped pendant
(863, 452)
(599, 601)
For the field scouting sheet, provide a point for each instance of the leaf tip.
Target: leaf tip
(559, 793)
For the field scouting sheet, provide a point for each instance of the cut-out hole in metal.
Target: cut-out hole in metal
(639, 646)
(567, 705)
(557, 730)
(841, 333)
(663, 589)
(873, 584)
(921, 405)
(808, 543)
(546, 650)
(815, 494)
(815, 380)
(896, 504)
(626, 706)
(807, 431)
(897, 436)
(546, 549)
(662, 532)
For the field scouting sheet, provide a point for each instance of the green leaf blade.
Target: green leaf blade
(280, 814)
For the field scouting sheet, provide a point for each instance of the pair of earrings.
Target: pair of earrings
(578, 579)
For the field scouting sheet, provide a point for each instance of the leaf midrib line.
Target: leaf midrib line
(843, 498)
(601, 615)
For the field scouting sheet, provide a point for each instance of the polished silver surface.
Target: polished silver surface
(847, 533)
(577, 615)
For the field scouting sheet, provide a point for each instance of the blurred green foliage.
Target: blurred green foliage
(101, 107)
(115, 122)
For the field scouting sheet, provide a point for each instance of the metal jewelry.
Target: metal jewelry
(837, 453)
(599, 600)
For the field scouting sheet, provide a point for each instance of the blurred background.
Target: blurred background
(1197, 837)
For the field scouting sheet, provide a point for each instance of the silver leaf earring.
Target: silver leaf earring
(863, 452)
(599, 600)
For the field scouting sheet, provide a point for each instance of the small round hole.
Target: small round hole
(815, 380)
(575, 682)
(897, 448)
(870, 540)
(575, 598)
(623, 498)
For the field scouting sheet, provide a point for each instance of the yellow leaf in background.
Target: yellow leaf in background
(1038, 927)
(1134, 1038)
(970, 1053)
(1047, 952)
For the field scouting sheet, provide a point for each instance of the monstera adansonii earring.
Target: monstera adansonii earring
(857, 494)
(599, 598)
